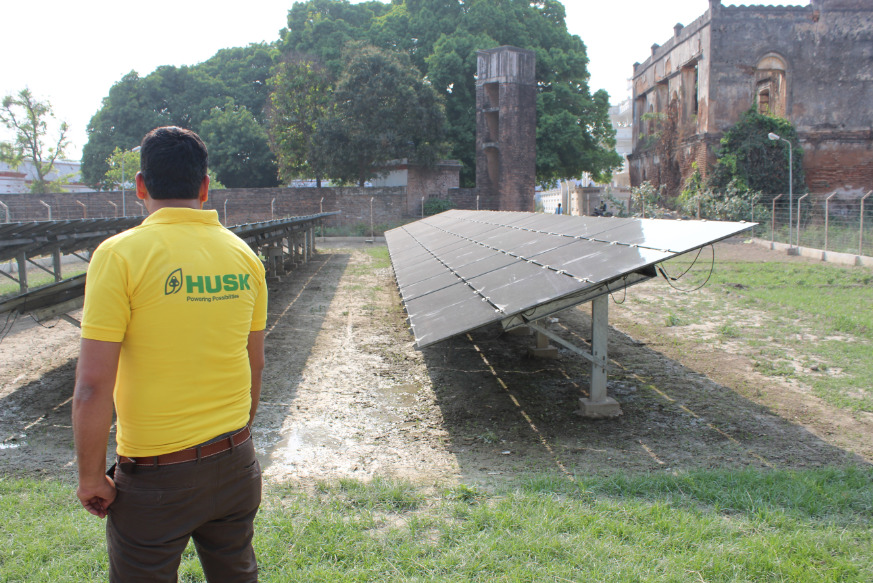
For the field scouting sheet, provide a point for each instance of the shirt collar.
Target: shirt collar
(168, 215)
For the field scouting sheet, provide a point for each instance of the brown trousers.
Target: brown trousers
(157, 510)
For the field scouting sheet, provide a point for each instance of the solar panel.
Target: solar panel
(460, 270)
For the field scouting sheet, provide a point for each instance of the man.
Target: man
(559, 210)
(173, 336)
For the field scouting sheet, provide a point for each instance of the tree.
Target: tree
(238, 149)
(442, 37)
(383, 111)
(234, 79)
(752, 162)
(301, 98)
(28, 118)
(123, 166)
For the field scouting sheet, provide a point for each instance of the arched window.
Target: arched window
(771, 85)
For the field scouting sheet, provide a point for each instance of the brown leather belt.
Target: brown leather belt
(192, 453)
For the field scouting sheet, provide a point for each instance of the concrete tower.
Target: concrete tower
(506, 125)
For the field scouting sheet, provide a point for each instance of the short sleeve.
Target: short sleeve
(259, 315)
(107, 301)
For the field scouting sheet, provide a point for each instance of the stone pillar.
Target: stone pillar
(506, 128)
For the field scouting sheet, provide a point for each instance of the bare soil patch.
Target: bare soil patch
(346, 394)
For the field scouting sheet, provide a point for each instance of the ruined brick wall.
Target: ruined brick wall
(433, 182)
(828, 80)
(506, 127)
(811, 64)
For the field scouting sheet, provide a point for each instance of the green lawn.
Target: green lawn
(816, 325)
(710, 526)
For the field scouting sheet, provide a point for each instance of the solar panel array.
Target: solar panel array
(38, 238)
(41, 238)
(460, 270)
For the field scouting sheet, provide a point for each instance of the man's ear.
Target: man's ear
(141, 191)
(204, 190)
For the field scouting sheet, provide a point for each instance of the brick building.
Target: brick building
(810, 64)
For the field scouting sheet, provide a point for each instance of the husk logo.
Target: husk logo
(173, 283)
(211, 284)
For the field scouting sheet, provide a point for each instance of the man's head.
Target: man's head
(173, 163)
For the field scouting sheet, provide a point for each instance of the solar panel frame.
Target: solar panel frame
(460, 270)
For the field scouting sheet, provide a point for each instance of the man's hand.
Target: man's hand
(92, 418)
(97, 498)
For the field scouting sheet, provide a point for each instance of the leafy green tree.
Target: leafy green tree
(752, 162)
(122, 173)
(382, 111)
(442, 37)
(188, 97)
(238, 149)
(301, 98)
(323, 27)
(28, 118)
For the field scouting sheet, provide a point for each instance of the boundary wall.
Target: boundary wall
(389, 205)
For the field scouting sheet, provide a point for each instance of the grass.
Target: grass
(710, 526)
(817, 325)
(34, 280)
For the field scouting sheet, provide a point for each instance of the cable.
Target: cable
(670, 279)
(612, 293)
(32, 317)
(7, 325)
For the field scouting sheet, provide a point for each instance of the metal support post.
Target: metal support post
(22, 272)
(56, 263)
(828, 217)
(773, 222)
(800, 200)
(861, 230)
(599, 404)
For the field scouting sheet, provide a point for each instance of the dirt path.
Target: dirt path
(346, 394)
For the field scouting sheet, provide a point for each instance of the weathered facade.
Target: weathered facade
(810, 64)
(506, 128)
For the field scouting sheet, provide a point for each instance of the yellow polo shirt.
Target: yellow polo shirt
(181, 294)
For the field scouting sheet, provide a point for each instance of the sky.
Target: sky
(71, 53)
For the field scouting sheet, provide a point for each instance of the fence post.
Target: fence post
(798, 217)
(828, 217)
(773, 221)
(84, 209)
(861, 230)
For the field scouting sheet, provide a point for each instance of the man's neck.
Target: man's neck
(154, 204)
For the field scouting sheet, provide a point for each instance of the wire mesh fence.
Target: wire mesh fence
(833, 223)
(840, 223)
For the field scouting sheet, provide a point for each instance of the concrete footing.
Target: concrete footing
(543, 349)
(520, 331)
(604, 409)
(545, 352)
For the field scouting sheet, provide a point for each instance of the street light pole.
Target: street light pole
(775, 137)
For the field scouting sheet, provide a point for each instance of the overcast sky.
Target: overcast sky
(71, 53)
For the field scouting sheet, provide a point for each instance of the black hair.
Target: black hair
(173, 163)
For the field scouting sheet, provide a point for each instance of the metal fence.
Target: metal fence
(833, 222)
